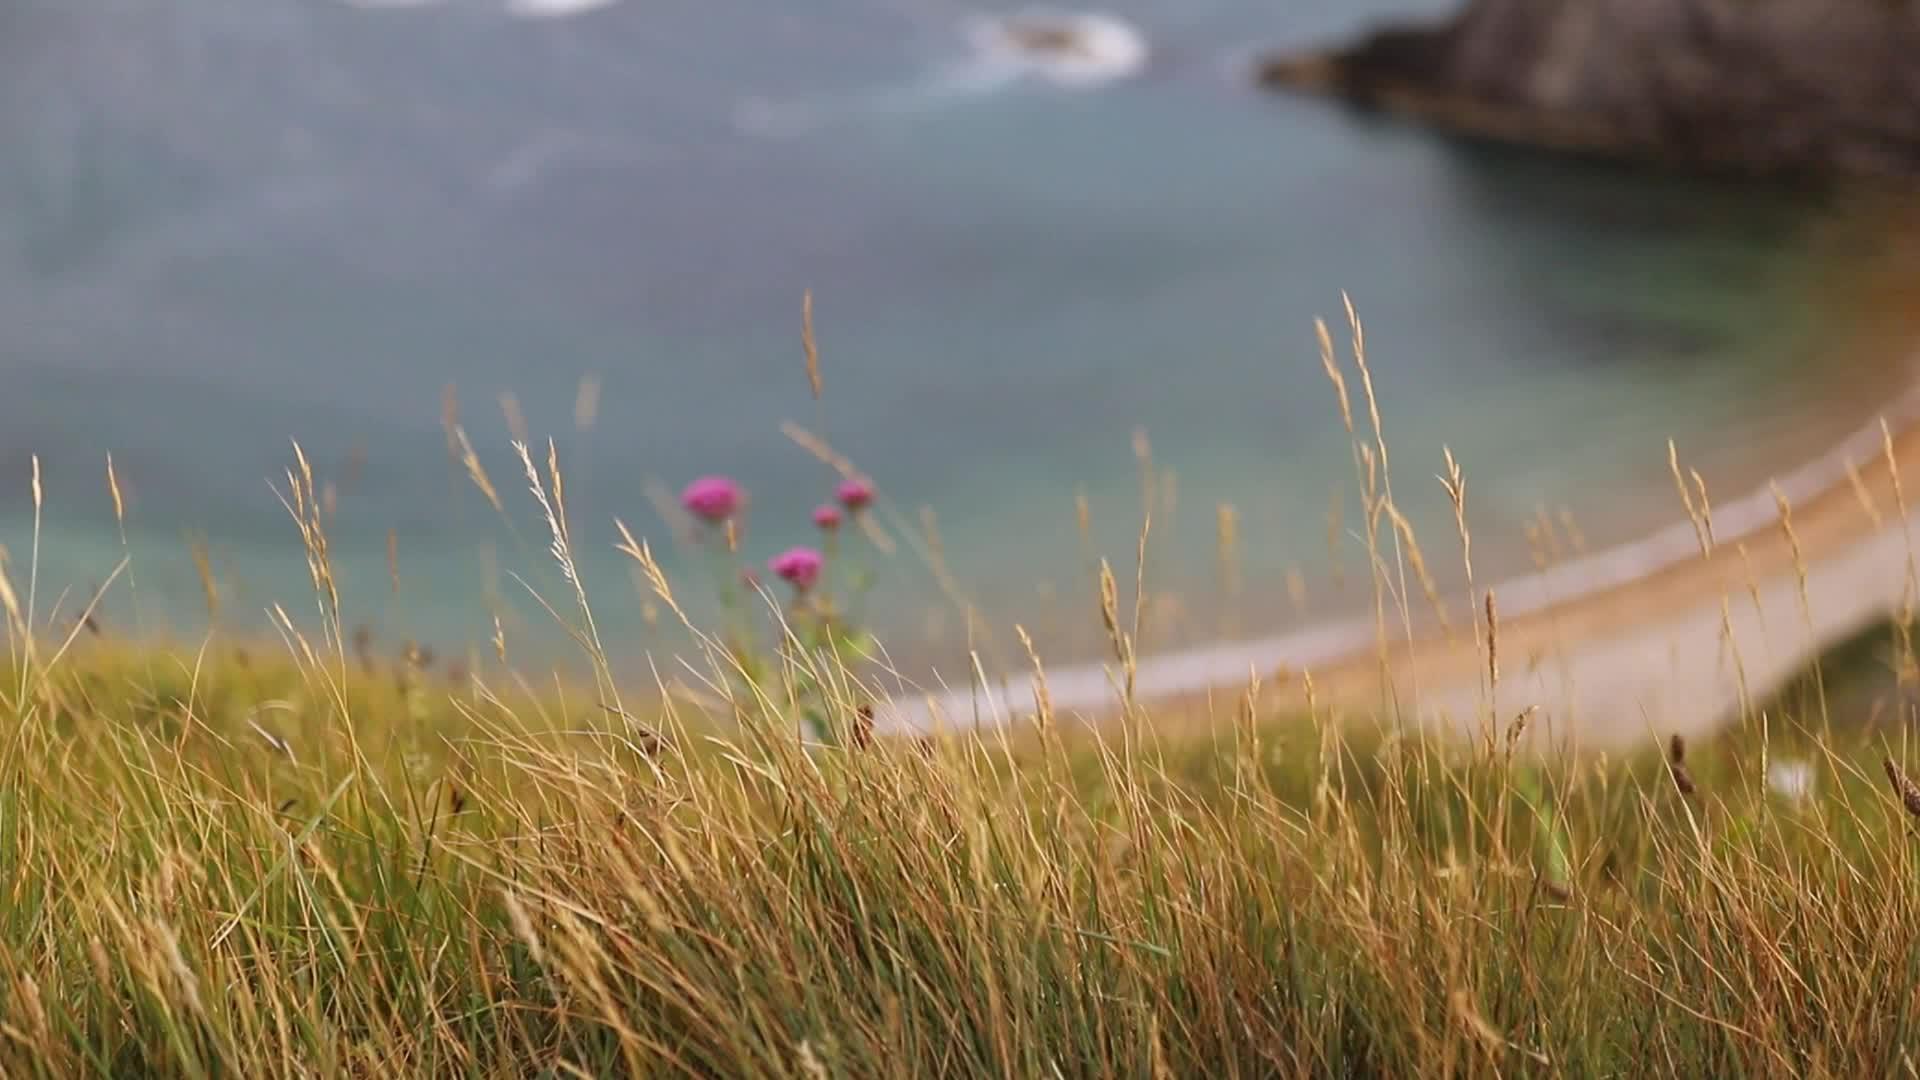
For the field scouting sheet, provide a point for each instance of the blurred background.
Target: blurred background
(228, 224)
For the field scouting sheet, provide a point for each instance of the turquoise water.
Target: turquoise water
(225, 224)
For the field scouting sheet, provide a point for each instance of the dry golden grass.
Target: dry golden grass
(280, 870)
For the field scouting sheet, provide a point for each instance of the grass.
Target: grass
(482, 889)
(296, 863)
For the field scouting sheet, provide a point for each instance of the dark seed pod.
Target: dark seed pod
(1903, 787)
(1677, 765)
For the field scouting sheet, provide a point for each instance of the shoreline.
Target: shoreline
(1602, 616)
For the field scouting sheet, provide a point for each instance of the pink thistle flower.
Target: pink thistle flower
(712, 499)
(827, 517)
(799, 567)
(856, 495)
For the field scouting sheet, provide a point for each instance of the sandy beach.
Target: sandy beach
(1644, 640)
(1681, 648)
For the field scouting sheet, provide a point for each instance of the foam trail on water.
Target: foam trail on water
(759, 116)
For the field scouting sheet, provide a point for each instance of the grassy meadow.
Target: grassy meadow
(245, 860)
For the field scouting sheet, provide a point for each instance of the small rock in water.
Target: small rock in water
(1047, 37)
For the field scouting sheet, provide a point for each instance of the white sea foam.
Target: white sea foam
(1070, 49)
(787, 119)
(554, 9)
(1073, 51)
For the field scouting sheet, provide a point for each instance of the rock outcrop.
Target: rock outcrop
(1772, 86)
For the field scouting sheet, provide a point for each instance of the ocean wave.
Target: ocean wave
(554, 9)
(1076, 51)
(1071, 49)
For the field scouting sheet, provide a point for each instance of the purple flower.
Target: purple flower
(855, 495)
(827, 516)
(712, 499)
(799, 567)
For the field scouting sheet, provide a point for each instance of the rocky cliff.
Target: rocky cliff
(1798, 86)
